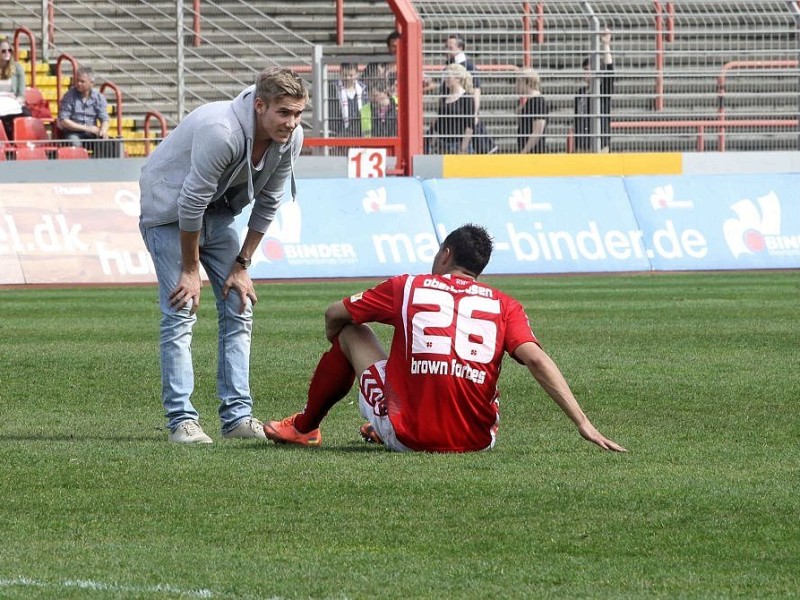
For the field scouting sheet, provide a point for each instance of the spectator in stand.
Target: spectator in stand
(583, 104)
(83, 116)
(346, 99)
(437, 390)
(383, 111)
(532, 111)
(455, 122)
(12, 88)
(374, 75)
(455, 47)
(392, 42)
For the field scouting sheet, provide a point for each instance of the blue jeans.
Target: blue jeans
(219, 245)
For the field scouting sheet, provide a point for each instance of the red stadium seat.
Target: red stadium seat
(25, 153)
(5, 144)
(39, 107)
(29, 129)
(4, 141)
(71, 152)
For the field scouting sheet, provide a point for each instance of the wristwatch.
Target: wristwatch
(245, 262)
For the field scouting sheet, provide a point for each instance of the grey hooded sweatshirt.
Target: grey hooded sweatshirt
(206, 157)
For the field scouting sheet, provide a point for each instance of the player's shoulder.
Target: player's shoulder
(506, 299)
(395, 282)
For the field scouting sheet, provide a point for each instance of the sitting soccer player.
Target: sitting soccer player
(437, 390)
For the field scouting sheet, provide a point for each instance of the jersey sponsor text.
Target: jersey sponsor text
(424, 366)
(473, 290)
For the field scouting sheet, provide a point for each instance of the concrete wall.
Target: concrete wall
(430, 167)
(564, 165)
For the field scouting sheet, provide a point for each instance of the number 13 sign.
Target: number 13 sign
(363, 163)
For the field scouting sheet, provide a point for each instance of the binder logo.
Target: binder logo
(664, 197)
(285, 242)
(375, 201)
(285, 229)
(522, 200)
(757, 228)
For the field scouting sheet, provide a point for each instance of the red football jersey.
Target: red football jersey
(449, 337)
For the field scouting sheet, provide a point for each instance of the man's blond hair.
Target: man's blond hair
(278, 82)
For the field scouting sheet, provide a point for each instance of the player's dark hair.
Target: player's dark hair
(471, 246)
(395, 35)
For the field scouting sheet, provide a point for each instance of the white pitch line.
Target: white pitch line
(106, 587)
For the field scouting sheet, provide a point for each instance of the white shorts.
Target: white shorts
(372, 403)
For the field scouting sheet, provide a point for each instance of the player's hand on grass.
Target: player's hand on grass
(589, 432)
(187, 290)
(239, 280)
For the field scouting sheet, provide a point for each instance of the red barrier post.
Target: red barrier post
(659, 100)
(162, 121)
(118, 103)
(526, 34)
(196, 24)
(32, 44)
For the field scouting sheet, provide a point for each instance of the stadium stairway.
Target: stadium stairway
(130, 43)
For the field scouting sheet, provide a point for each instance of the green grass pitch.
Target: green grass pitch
(698, 375)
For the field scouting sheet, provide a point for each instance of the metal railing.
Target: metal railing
(234, 46)
(667, 56)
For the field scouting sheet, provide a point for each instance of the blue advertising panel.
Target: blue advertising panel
(719, 222)
(347, 228)
(547, 224)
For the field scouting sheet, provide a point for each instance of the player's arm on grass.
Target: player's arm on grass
(549, 376)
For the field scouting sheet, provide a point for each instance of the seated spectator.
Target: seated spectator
(83, 115)
(455, 121)
(532, 111)
(383, 111)
(12, 88)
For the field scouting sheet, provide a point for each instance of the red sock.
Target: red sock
(331, 381)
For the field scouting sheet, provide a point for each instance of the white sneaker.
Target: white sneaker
(190, 432)
(249, 427)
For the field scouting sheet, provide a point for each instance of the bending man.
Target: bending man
(221, 157)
